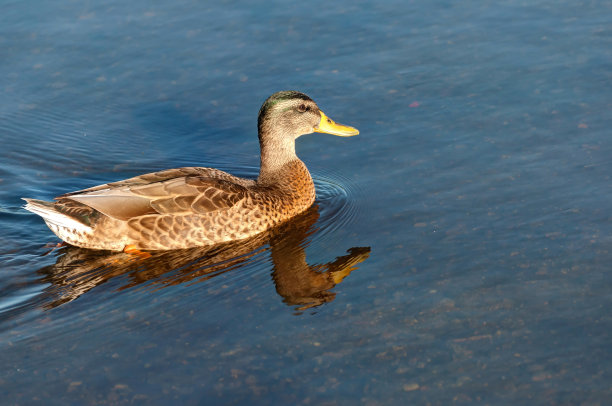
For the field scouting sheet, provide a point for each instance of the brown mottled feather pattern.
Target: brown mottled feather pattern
(221, 211)
(193, 209)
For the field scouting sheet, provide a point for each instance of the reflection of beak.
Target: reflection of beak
(348, 263)
(328, 126)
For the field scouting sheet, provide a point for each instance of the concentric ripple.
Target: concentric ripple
(336, 196)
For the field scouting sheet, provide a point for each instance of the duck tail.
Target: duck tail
(52, 215)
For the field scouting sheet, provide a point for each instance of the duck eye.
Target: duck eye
(302, 108)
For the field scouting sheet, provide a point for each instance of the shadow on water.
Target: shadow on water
(78, 270)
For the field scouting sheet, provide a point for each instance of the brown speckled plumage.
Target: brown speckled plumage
(189, 207)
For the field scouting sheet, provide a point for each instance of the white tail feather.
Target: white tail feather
(52, 216)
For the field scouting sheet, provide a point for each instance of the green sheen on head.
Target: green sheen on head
(277, 98)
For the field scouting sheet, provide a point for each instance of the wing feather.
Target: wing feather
(166, 192)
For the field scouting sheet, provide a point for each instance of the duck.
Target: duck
(199, 206)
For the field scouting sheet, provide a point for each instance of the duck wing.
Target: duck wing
(162, 193)
(160, 176)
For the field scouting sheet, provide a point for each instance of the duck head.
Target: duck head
(290, 114)
(284, 117)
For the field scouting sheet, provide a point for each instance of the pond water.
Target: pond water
(459, 249)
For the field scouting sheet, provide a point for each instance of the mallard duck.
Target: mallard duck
(193, 206)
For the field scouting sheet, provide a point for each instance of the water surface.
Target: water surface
(458, 251)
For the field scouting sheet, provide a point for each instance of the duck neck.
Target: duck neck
(275, 158)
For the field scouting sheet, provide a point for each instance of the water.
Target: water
(458, 252)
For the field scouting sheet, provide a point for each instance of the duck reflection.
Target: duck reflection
(304, 286)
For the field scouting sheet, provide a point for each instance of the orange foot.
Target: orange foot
(132, 250)
(54, 247)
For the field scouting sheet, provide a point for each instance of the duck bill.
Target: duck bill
(328, 126)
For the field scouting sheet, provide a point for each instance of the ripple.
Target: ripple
(336, 196)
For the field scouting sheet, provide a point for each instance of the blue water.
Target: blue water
(468, 224)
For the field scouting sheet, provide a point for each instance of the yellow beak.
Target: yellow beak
(328, 126)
